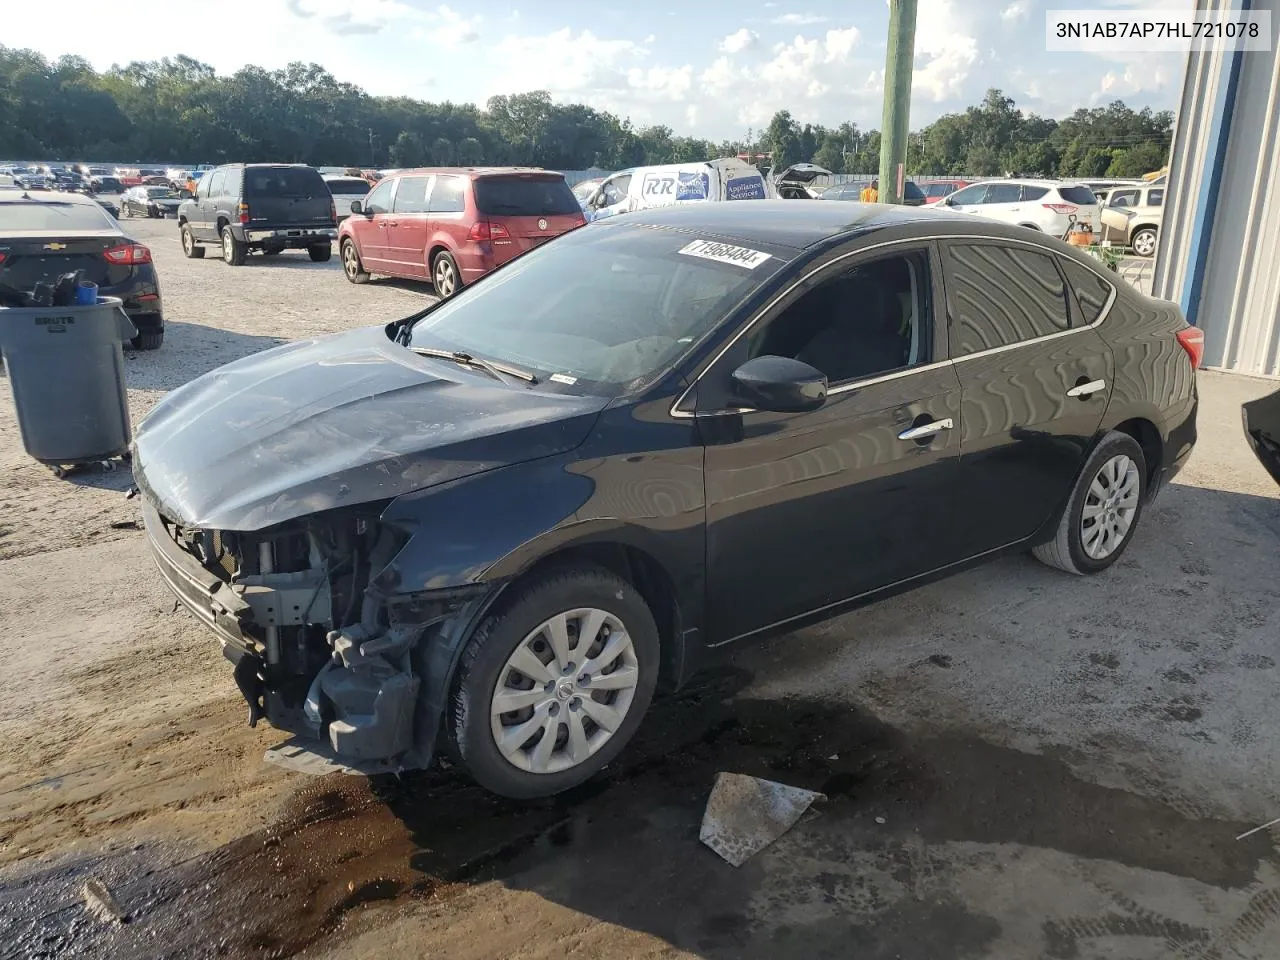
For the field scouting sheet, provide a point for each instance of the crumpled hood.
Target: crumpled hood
(338, 421)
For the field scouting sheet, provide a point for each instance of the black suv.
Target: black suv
(267, 207)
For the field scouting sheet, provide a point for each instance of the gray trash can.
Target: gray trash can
(66, 371)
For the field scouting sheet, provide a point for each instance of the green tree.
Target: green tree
(441, 152)
(1137, 160)
(782, 140)
(407, 150)
(470, 152)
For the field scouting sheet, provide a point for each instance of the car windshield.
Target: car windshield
(158, 193)
(601, 310)
(61, 217)
(524, 197)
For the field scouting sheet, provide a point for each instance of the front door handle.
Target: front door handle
(1087, 389)
(391, 223)
(926, 429)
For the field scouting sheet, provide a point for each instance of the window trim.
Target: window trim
(677, 411)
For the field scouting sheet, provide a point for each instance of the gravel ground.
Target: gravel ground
(1017, 763)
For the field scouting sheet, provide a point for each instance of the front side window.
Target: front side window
(412, 195)
(972, 194)
(998, 296)
(215, 183)
(600, 311)
(379, 199)
(615, 190)
(868, 320)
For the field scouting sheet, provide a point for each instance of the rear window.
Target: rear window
(348, 187)
(524, 197)
(67, 217)
(283, 182)
(1081, 196)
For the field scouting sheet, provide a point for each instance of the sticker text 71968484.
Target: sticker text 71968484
(725, 253)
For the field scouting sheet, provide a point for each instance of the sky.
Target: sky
(704, 69)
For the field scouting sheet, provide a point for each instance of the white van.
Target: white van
(642, 187)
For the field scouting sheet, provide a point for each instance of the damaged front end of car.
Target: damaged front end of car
(1262, 429)
(324, 645)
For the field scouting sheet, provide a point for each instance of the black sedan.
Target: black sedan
(144, 201)
(504, 522)
(44, 237)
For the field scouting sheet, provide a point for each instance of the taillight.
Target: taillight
(243, 210)
(128, 254)
(2, 256)
(333, 211)
(1059, 207)
(487, 230)
(1192, 340)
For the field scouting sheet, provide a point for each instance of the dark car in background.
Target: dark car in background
(41, 238)
(1262, 429)
(912, 195)
(107, 184)
(738, 418)
(452, 226)
(935, 190)
(263, 207)
(150, 201)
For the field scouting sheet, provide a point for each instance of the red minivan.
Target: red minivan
(452, 226)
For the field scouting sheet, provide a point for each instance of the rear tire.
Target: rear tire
(320, 254)
(1103, 511)
(233, 251)
(444, 275)
(352, 267)
(148, 340)
(1144, 242)
(514, 639)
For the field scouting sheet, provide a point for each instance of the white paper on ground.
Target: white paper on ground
(745, 814)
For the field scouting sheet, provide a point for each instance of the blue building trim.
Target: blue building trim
(1207, 199)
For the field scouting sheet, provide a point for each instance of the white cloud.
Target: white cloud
(1015, 11)
(742, 39)
(950, 52)
(799, 19)
(451, 28)
(352, 16)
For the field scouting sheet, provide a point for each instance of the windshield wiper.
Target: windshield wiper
(495, 370)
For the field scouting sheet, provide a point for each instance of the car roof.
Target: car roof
(473, 172)
(797, 224)
(69, 198)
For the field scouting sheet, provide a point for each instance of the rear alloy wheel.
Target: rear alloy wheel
(553, 685)
(351, 265)
(444, 276)
(1104, 509)
(1144, 242)
(233, 251)
(320, 253)
(190, 249)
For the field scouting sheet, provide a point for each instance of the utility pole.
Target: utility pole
(897, 99)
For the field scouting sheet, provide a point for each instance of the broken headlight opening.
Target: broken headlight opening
(323, 645)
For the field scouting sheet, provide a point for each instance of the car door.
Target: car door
(407, 226)
(1002, 201)
(968, 200)
(369, 229)
(448, 224)
(207, 228)
(1036, 377)
(806, 510)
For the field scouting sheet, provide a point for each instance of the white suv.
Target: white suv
(1044, 205)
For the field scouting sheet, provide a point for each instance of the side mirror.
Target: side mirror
(356, 207)
(780, 385)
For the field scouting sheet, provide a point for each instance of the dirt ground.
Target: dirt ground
(1016, 763)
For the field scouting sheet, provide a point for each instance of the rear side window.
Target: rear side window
(1003, 193)
(68, 217)
(448, 195)
(524, 197)
(1033, 193)
(1081, 196)
(998, 296)
(1092, 292)
(293, 182)
(231, 182)
(411, 197)
(1155, 198)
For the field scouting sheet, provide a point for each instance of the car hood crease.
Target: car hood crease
(339, 421)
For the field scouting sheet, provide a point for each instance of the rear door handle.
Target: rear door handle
(1087, 389)
(926, 429)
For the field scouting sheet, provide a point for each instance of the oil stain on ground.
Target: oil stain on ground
(624, 847)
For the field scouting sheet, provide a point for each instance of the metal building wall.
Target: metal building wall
(1219, 253)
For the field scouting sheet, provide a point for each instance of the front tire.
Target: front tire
(554, 683)
(190, 249)
(1104, 509)
(351, 265)
(233, 251)
(320, 254)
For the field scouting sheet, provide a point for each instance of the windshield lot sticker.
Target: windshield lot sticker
(563, 378)
(725, 253)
